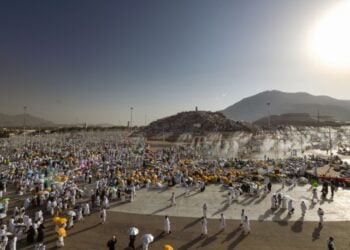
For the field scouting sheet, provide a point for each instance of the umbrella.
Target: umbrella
(167, 247)
(133, 231)
(314, 183)
(61, 232)
(71, 213)
(56, 219)
(147, 238)
(2, 215)
(62, 221)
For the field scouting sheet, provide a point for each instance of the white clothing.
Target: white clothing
(205, 210)
(246, 226)
(167, 225)
(173, 202)
(103, 215)
(13, 243)
(60, 242)
(145, 246)
(222, 223)
(204, 224)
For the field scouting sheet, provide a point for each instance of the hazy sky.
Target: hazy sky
(90, 61)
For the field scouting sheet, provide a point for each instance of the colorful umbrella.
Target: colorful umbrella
(314, 183)
(56, 219)
(62, 221)
(61, 232)
(167, 247)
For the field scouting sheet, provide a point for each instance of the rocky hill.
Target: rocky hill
(195, 122)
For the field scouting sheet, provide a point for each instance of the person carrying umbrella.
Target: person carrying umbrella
(133, 231)
(146, 240)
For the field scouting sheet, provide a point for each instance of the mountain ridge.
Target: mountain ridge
(18, 120)
(255, 107)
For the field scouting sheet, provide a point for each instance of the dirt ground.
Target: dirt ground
(90, 234)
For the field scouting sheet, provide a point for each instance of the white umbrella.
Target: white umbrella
(147, 238)
(133, 231)
(71, 213)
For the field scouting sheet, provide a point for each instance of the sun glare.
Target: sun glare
(330, 38)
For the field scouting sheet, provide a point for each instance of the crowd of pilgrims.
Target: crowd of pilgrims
(74, 176)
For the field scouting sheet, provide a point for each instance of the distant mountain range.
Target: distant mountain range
(18, 121)
(275, 102)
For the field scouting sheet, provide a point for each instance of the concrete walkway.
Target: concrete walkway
(157, 202)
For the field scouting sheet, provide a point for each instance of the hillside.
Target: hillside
(18, 121)
(255, 107)
(195, 122)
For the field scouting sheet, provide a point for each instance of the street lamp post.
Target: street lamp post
(24, 123)
(268, 115)
(131, 109)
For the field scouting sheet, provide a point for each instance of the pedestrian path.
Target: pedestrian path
(157, 202)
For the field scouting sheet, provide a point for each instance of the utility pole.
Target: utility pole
(268, 117)
(301, 143)
(24, 124)
(330, 142)
(131, 109)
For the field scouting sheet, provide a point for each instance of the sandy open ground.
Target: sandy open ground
(270, 230)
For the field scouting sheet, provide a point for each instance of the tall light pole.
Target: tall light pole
(268, 115)
(24, 123)
(131, 109)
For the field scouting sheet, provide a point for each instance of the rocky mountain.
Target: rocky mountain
(195, 122)
(8, 121)
(256, 107)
